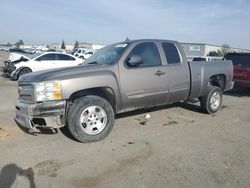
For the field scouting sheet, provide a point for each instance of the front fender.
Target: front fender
(91, 81)
(14, 74)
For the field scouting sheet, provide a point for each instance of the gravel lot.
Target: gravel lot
(178, 146)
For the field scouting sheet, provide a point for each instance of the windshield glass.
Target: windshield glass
(107, 55)
(32, 56)
(239, 59)
(74, 51)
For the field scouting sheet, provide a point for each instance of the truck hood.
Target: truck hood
(60, 73)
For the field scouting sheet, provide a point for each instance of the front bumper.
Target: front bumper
(7, 69)
(46, 114)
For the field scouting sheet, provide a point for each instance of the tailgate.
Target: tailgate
(241, 73)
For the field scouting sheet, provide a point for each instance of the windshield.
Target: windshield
(32, 56)
(74, 51)
(107, 55)
(239, 59)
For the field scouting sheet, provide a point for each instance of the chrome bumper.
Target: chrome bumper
(46, 115)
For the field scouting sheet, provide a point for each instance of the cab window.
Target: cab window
(149, 54)
(171, 53)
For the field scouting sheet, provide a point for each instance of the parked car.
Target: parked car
(19, 50)
(241, 63)
(43, 61)
(83, 53)
(9, 66)
(118, 78)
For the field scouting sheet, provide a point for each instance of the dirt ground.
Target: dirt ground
(178, 146)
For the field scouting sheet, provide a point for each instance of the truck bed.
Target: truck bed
(201, 72)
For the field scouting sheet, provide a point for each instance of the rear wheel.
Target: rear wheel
(211, 102)
(90, 119)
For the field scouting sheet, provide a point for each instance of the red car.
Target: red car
(241, 62)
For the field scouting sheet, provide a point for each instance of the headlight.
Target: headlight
(47, 91)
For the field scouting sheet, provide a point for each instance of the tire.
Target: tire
(23, 71)
(211, 102)
(90, 118)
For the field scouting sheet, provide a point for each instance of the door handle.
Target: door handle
(159, 73)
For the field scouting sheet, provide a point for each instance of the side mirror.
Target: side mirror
(134, 60)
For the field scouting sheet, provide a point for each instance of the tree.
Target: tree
(63, 45)
(76, 44)
(19, 43)
(224, 49)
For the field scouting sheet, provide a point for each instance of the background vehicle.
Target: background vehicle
(118, 78)
(43, 61)
(9, 67)
(241, 63)
(83, 53)
(202, 59)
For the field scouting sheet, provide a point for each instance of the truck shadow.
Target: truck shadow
(239, 92)
(10, 172)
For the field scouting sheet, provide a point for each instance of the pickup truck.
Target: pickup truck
(118, 78)
(241, 63)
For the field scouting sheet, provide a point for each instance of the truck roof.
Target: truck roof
(149, 40)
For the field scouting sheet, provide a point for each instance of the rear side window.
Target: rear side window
(239, 59)
(149, 54)
(199, 59)
(171, 53)
(47, 57)
(63, 57)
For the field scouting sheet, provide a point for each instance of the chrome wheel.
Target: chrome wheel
(215, 101)
(93, 120)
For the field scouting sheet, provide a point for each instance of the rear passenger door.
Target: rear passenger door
(144, 85)
(177, 71)
(64, 60)
(44, 62)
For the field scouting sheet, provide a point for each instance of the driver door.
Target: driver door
(144, 85)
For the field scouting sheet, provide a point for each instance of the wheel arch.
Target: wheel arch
(16, 73)
(218, 80)
(104, 92)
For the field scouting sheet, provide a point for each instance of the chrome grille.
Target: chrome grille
(26, 92)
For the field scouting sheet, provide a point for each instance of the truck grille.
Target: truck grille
(26, 92)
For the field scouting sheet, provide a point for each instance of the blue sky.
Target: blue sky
(108, 21)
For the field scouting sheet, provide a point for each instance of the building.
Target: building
(70, 47)
(90, 46)
(201, 49)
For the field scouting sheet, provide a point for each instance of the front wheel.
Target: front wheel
(211, 102)
(23, 71)
(90, 118)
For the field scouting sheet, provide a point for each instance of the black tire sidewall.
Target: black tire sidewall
(205, 101)
(24, 71)
(73, 120)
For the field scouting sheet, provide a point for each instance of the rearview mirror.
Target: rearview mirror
(134, 60)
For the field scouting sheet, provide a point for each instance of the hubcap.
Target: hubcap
(93, 120)
(215, 101)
